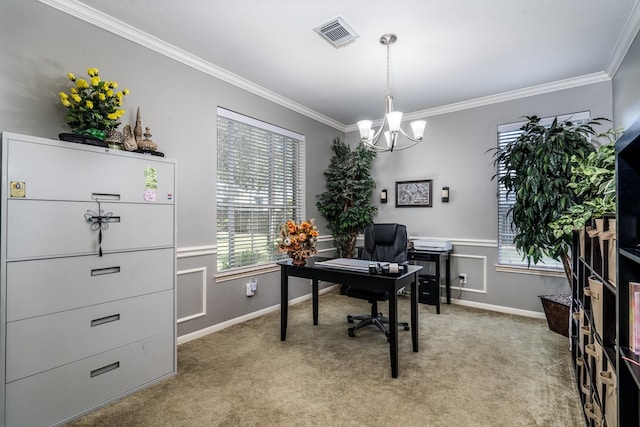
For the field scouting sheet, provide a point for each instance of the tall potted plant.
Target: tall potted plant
(538, 171)
(347, 202)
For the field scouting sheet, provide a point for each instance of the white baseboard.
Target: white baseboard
(500, 309)
(220, 326)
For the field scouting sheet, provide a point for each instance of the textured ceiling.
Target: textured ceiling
(448, 51)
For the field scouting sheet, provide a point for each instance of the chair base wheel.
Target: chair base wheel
(351, 332)
(349, 319)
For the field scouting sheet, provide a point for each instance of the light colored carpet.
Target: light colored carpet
(474, 368)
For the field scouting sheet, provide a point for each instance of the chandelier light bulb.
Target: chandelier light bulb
(418, 128)
(364, 126)
(394, 118)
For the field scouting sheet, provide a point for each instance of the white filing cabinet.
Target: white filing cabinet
(87, 296)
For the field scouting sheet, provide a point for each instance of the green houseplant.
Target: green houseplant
(347, 202)
(593, 183)
(538, 169)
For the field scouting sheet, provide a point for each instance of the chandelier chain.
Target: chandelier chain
(388, 69)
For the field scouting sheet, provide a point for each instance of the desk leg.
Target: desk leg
(284, 302)
(314, 294)
(447, 276)
(414, 313)
(393, 331)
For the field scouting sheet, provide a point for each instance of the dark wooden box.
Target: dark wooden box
(556, 309)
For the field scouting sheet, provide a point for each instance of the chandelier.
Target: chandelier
(370, 137)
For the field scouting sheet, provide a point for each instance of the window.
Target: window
(260, 186)
(507, 253)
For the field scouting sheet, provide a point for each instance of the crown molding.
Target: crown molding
(502, 97)
(115, 26)
(625, 41)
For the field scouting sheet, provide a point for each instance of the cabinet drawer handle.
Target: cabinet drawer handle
(105, 196)
(106, 270)
(105, 369)
(106, 319)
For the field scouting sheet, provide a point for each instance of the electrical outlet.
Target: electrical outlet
(249, 290)
(463, 278)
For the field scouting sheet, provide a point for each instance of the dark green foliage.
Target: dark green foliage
(538, 171)
(347, 202)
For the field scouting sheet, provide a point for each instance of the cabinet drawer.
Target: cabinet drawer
(41, 229)
(64, 392)
(77, 172)
(40, 343)
(48, 286)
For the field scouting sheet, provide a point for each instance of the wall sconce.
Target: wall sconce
(383, 196)
(445, 194)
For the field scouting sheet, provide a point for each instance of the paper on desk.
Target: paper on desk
(347, 264)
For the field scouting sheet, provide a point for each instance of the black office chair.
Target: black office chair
(384, 243)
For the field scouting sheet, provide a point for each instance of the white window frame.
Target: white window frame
(278, 192)
(507, 254)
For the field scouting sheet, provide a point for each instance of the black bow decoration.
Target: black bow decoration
(99, 221)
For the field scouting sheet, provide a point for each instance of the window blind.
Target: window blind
(260, 184)
(507, 253)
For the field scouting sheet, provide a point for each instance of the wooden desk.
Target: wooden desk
(391, 284)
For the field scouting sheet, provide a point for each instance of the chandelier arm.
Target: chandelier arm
(404, 147)
(406, 135)
(375, 148)
(374, 139)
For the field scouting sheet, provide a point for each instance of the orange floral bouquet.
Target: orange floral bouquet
(298, 240)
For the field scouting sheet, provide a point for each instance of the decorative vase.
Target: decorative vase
(114, 139)
(297, 259)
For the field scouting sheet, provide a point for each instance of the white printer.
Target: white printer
(438, 245)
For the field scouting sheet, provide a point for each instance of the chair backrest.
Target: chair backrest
(385, 242)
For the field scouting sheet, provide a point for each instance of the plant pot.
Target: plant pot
(93, 132)
(556, 309)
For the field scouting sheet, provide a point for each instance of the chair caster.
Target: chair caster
(351, 332)
(349, 319)
(405, 325)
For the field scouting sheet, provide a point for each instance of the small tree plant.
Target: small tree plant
(538, 171)
(346, 204)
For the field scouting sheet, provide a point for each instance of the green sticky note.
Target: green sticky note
(151, 178)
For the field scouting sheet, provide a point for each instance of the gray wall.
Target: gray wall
(626, 88)
(454, 153)
(40, 45)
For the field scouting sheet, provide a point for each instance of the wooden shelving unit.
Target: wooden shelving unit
(628, 268)
(593, 328)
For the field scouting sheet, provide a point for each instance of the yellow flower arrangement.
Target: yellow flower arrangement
(93, 103)
(298, 240)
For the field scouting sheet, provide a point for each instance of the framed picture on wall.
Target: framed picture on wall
(414, 193)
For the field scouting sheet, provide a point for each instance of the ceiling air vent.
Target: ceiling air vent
(337, 31)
